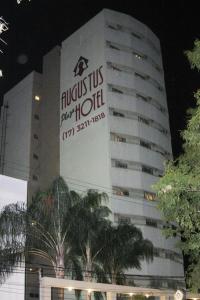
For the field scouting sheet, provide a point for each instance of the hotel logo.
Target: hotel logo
(81, 66)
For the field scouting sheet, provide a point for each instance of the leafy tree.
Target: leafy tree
(179, 189)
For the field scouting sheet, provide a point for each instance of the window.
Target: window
(119, 164)
(144, 77)
(146, 99)
(35, 177)
(151, 222)
(136, 35)
(34, 295)
(120, 139)
(149, 196)
(145, 144)
(36, 117)
(164, 131)
(112, 27)
(35, 156)
(35, 136)
(160, 88)
(117, 114)
(156, 252)
(115, 68)
(124, 220)
(143, 120)
(158, 68)
(113, 47)
(139, 56)
(148, 170)
(116, 91)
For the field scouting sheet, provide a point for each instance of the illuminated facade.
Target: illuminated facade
(115, 133)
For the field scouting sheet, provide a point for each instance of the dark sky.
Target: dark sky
(36, 26)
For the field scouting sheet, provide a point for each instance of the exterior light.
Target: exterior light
(131, 294)
(147, 295)
(89, 291)
(37, 98)
(1, 73)
(69, 288)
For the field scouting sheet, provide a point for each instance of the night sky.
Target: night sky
(37, 26)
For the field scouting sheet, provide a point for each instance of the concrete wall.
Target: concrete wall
(49, 112)
(84, 153)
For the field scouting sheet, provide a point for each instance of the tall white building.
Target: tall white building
(115, 132)
(29, 127)
(113, 128)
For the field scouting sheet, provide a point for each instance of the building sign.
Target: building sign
(84, 131)
(80, 101)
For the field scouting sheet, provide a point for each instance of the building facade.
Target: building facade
(115, 133)
(29, 127)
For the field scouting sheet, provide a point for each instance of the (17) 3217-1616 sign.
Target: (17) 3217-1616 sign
(81, 126)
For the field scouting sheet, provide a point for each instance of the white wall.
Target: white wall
(84, 156)
(11, 191)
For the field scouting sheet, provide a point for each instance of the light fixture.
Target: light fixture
(37, 98)
(89, 291)
(69, 288)
(1, 73)
(147, 295)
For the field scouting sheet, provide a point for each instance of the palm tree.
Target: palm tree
(93, 222)
(43, 229)
(68, 230)
(124, 248)
(58, 226)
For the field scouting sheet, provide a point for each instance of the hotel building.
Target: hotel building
(108, 82)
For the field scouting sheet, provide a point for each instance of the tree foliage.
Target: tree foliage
(70, 232)
(179, 189)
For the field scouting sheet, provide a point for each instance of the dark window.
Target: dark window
(158, 68)
(143, 120)
(35, 136)
(112, 27)
(146, 99)
(113, 47)
(145, 144)
(156, 252)
(35, 177)
(121, 139)
(144, 77)
(34, 295)
(148, 170)
(160, 88)
(117, 91)
(36, 117)
(119, 164)
(124, 220)
(35, 156)
(125, 193)
(117, 114)
(136, 35)
(151, 222)
(115, 68)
